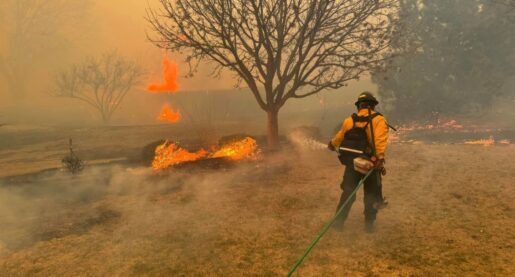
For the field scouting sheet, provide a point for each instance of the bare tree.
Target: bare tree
(102, 82)
(31, 31)
(281, 49)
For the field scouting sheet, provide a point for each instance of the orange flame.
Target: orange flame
(238, 150)
(170, 72)
(504, 142)
(170, 154)
(452, 124)
(484, 142)
(168, 114)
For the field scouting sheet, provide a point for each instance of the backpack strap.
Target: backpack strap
(367, 119)
(376, 114)
(355, 118)
(389, 126)
(373, 139)
(364, 118)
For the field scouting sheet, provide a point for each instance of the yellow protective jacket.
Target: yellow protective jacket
(380, 132)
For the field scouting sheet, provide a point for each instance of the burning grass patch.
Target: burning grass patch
(471, 137)
(170, 154)
(257, 220)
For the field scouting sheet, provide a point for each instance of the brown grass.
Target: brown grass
(451, 213)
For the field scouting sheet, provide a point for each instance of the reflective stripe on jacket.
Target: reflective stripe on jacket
(380, 132)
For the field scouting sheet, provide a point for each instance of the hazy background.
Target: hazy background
(120, 218)
(95, 27)
(45, 37)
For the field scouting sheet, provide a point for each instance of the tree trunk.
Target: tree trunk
(273, 130)
(106, 117)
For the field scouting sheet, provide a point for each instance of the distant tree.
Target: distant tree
(281, 49)
(32, 31)
(454, 57)
(100, 82)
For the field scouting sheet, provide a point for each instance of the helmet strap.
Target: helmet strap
(367, 105)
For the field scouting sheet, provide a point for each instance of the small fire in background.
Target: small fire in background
(169, 85)
(170, 73)
(447, 128)
(170, 154)
(452, 124)
(504, 142)
(440, 125)
(167, 114)
(488, 142)
(484, 142)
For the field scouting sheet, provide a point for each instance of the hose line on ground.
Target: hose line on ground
(326, 227)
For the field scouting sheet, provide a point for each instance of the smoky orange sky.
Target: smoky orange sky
(125, 28)
(121, 25)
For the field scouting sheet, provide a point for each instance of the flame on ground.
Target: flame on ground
(170, 72)
(484, 142)
(440, 125)
(504, 142)
(488, 142)
(452, 124)
(168, 114)
(170, 154)
(245, 149)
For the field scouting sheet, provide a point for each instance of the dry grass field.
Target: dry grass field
(451, 211)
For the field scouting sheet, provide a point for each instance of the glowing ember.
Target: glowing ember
(484, 142)
(170, 84)
(504, 142)
(453, 124)
(169, 115)
(244, 149)
(169, 154)
(440, 125)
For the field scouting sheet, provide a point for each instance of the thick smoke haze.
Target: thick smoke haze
(115, 26)
(183, 180)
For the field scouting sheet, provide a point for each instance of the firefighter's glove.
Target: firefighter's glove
(331, 147)
(379, 165)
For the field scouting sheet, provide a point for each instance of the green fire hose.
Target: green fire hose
(326, 227)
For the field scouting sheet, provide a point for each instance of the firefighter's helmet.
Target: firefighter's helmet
(366, 97)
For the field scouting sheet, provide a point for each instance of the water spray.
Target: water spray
(305, 142)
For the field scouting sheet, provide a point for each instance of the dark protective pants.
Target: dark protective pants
(372, 193)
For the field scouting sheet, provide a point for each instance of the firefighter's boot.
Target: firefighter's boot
(369, 226)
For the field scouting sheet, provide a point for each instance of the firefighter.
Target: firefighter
(374, 129)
